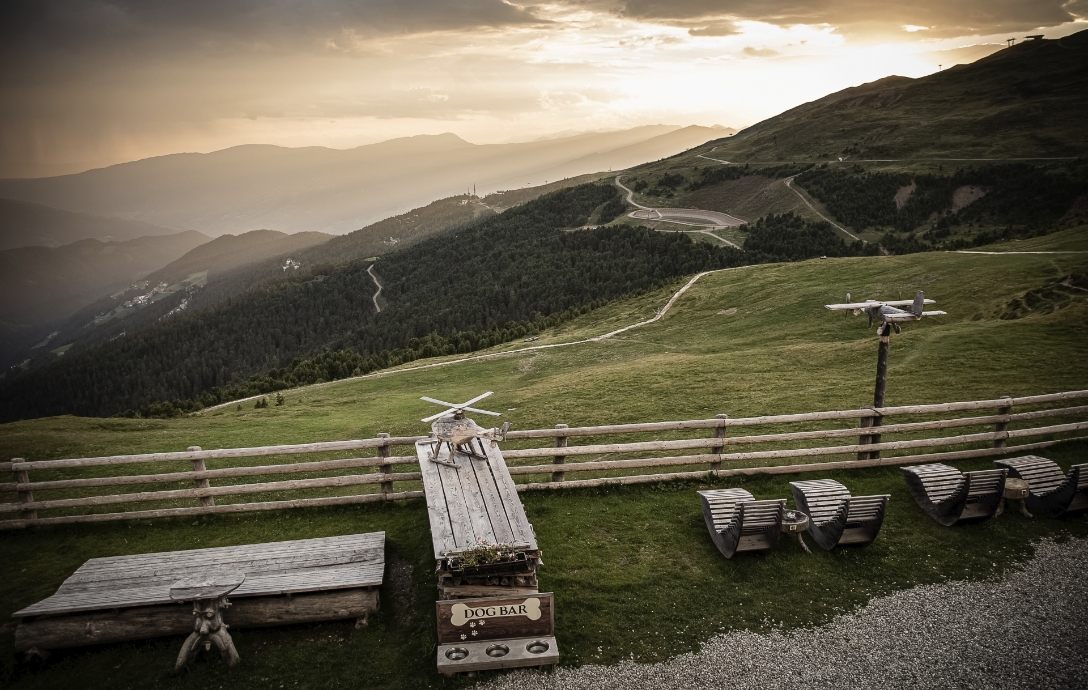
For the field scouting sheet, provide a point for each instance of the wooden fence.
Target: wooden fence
(71, 489)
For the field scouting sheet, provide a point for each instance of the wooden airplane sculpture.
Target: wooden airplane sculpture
(457, 431)
(888, 314)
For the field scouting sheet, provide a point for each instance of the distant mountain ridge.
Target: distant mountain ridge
(40, 287)
(318, 189)
(24, 224)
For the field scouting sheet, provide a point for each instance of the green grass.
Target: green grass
(633, 569)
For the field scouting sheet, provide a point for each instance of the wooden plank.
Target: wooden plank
(325, 446)
(229, 490)
(165, 569)
(464, 537)
(489, 493)
(437, 515)
(789, 469)
(211, 510)
(248, 471)
(478, 516)
(519, 524)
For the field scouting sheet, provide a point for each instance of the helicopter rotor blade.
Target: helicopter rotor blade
(478, 398)
(443, 403)
(439, 415)
(473, 409)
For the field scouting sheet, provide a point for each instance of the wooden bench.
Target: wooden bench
(128, 597)
(949, 496)
(1051, 493)
(472, 500)
(737, 522)
(835, 516)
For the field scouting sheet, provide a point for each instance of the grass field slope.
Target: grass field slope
(634, 573)
(1024, 101)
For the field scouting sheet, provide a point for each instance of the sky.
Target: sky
(89, 83)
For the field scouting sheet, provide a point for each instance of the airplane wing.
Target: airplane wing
(874, 303)
(853, 305)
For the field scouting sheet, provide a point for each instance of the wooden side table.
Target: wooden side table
(209, 596)
(796, 522)
(1017, 490)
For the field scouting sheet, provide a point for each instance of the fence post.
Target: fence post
(863, 439)
(24, 496)
(199, 466)
(560, 442)
(1002, 426)
(383, 452)
(719, 432)
(876, 420)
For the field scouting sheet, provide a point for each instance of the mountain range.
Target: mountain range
(326, 190)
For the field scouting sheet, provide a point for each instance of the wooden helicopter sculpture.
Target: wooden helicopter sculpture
(457, 431)
(888, 314)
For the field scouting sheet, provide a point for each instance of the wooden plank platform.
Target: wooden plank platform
(286, 567)
(476, 501)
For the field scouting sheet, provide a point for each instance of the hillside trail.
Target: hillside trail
(692, 217)
(658, 315)
(373, 277)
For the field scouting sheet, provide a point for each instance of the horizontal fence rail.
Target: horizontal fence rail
(69, 492)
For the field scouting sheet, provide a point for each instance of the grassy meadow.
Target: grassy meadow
(634, 572)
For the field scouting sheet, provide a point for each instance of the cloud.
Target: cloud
(943, 17)
(759, 52)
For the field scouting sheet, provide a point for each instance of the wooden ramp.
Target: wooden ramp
(128, 597)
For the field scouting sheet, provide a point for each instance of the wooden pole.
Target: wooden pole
(21, 477)
(720, 432)
(198, 466)
(383, 452)
(881, 380)
(1002, 426)
(560, 442)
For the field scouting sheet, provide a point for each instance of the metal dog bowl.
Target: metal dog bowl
(497, 650)
(537, 647)
(456, 654)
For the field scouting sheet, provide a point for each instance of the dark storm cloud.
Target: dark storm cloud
(68, 24)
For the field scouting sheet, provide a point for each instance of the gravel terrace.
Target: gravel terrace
(1027, 630)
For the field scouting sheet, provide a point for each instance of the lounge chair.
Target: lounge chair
(948, 495)
(1051, 493)
(835, 516)
(738, 522)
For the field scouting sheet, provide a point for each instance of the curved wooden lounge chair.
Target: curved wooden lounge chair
(1051, 492)
(836, 517)
(738, 522)
(948, 495)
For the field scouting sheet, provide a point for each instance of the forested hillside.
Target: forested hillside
(505, 277)
(788, 237)
(1019, 198)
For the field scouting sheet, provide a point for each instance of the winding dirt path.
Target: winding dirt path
(658, 315)
(789, 183)
(373, 277)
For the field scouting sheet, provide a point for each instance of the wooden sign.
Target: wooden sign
(495, 618)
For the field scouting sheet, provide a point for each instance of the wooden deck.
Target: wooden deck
(286, 567)
(472, 502)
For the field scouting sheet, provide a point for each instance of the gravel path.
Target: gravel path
(1029, 630)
